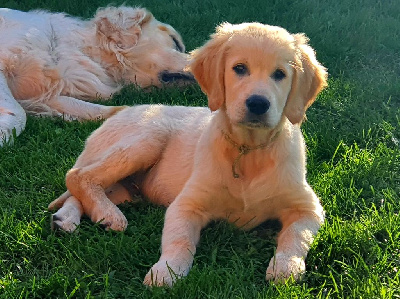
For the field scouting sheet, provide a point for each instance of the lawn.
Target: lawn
(353, 139)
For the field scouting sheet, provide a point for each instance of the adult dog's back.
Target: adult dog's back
(43, 56)
(50, 62)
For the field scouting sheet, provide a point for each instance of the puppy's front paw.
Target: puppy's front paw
(282, 267)
(165, 273)
(110, 217)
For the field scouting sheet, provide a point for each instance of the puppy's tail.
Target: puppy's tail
(59, 202)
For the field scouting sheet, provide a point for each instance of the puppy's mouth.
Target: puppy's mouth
(255, 124)
(179, 78)
(251, 120)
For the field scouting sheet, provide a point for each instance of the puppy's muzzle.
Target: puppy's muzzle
(257, 104)
(179, 78)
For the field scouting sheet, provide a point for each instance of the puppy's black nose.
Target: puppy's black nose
(257, 104)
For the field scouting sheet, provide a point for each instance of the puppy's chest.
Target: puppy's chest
(251, 187)
(250, 191)
(248, 203)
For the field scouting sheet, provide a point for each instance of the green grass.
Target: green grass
(353, 139)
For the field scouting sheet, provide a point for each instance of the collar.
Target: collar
(244, 149)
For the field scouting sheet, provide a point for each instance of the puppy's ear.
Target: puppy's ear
(310, 77)
(208, 67)
(121, 26)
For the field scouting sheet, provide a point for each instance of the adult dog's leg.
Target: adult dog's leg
(74, 109)
(88, 182)
(181, 233)
(298, 230)
(12, 115)
(68, 217)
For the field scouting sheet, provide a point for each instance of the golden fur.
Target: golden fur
(53, 64)
(243, 161)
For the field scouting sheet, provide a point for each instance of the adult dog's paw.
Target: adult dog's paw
(110, 217)
(166, 273)
(282, 267)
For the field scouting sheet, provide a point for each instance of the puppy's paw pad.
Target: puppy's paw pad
(55, 217)
(58, 223)
(166, 273)
(160, 276)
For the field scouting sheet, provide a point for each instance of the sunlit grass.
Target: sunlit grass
(353, 139)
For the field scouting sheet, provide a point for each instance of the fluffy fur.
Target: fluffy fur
(52, 64)
(243, 161)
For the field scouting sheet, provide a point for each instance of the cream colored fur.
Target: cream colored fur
(186, 157)
(54, 64)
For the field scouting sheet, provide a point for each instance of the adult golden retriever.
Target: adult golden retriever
(50, 62)
(243, 161)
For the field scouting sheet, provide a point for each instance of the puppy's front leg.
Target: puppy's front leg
(181, 233)
(298, 230)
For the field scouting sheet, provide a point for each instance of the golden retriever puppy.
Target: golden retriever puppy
(52, 64)
(242, 160)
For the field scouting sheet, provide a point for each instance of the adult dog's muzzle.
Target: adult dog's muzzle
(179, 78)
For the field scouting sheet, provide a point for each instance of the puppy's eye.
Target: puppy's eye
(278, 75)
(241, 69)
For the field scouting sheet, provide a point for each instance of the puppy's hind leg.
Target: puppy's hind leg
(88, 183)
(12, 115)
(68, 217)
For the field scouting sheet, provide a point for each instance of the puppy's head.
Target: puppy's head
(147, 51)
(258, 74)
